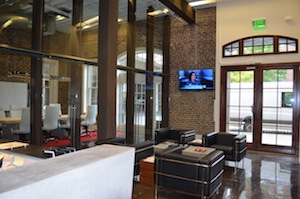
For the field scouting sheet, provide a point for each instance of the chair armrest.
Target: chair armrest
(187, 136)
(162, 134)
(209, 139)
(240, 138)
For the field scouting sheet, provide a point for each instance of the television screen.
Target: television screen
(198, 79)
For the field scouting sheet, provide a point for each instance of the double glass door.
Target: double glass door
(259, 101)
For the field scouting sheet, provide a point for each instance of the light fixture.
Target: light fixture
(59, 17)
(158, 12)
(200, 3)
(7, 23)
(120, 20)
(92, 23)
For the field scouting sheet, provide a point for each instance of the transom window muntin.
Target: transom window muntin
(260, 45)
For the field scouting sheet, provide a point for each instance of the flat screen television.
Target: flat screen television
(197, 79)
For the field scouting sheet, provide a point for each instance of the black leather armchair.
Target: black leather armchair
(179, 136)
(234, 146)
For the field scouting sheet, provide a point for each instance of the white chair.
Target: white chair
(24, 126)
(15, 110)
(58, 105)
(67, 124)
(50, 122)
(90, 118)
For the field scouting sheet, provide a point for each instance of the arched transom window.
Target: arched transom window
(260, 45)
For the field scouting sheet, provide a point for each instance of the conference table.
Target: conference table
(16, 120)
(10, 120)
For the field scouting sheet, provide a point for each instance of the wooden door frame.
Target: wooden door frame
(294, 149)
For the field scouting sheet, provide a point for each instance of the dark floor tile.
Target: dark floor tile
(259, 175)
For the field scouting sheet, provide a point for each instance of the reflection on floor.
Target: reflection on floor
(262, 175)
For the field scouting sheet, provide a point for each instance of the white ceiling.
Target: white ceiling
(64, 7)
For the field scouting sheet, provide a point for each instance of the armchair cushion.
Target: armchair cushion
(224, 148)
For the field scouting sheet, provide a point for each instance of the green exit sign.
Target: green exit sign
(259, 24)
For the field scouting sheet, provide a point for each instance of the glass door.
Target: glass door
(260, 102)
(239, 98)
(277, 107)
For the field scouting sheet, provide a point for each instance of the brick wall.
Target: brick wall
(192, 47)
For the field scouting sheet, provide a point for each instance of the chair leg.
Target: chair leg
(235, 167)
(87, 132)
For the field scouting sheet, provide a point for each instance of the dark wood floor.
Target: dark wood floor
(262, 175)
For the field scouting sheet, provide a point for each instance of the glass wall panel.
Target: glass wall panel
(157, 101)
(240, 97)
(122, 31)
(158, 44)
(121, 103)
(139, 107)
(58, 27)
(90, 29)
(277, 111)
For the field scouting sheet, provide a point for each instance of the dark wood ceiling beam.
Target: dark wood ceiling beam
(182, 9)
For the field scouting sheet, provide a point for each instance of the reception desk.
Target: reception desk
(103, 171)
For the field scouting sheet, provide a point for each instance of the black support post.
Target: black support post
(149, 77)
(76, 75)
(107, 67)
(36, 74)
(130, 74)
(166, 70)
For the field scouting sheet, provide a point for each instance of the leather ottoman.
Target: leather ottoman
(200, 176)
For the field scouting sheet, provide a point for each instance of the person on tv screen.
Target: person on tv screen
(192, 79)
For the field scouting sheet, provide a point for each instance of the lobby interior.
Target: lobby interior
(127, 62)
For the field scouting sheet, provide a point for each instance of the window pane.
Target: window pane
(258, 49)
(290, 41)
(248, 50)
(248, 42)
(269, 49)
(235, 45)
(282, 41)
(228, 51)
(282, 48)
(235, 51)
(258, 41)
(268, 40)
(291, 47)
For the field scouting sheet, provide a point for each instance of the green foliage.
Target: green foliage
(241, 76)
(274, 75)
(248, 76)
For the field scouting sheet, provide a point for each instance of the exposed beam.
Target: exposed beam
(181, 8)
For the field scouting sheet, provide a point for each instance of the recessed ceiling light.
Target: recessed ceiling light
(203, 2)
